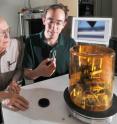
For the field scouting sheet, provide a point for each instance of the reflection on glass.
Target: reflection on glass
(91, 77)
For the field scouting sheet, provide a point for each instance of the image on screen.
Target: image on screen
(91, 30)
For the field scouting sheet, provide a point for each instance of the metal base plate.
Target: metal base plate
(104, 117)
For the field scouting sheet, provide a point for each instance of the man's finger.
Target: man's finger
(23, 101)
(17, 106)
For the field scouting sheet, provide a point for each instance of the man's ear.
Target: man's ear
(64, 24)
(43, 20)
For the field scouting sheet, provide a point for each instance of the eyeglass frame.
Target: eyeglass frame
(51, 21)
(4, 32)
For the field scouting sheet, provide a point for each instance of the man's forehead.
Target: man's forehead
(55, 19)
(3, 25)
(2, 20)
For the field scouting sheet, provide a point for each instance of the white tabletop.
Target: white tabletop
(55, 113)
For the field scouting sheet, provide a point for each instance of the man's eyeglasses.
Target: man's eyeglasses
(58, 22)
(4, 32)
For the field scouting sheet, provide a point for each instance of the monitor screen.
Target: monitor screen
(92, 30)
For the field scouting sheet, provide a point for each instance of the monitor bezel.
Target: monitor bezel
(107, 30)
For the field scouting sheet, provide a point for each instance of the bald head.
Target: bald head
(3, 23)
(2, 18)
(4, 34)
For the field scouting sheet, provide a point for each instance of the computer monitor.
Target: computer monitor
(92, 30)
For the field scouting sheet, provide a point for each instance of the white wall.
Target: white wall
(72, 6)
(10, 8)
(36, 3)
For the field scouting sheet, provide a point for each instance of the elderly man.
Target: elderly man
(10, 69)
(47, 53)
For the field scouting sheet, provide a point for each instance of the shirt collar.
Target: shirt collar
(59, 43)
(6, 51)
(3, 53)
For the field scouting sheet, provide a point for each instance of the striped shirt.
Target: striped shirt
(11, 64)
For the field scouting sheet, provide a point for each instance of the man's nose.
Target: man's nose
(54, 26)
(6, 34)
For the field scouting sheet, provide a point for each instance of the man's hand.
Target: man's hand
(14, 87)
(47, 67)
(16, 102)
